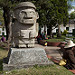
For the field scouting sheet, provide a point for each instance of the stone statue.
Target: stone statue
(25, 27)
(24, 31)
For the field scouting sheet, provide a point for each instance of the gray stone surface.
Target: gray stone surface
(26, 4)
(25, 26)
(25, 57)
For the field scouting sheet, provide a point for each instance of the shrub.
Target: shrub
(65, 32)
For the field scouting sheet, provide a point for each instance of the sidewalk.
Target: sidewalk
(54, 52)
(51, 51)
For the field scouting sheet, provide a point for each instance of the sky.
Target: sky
(73, 4)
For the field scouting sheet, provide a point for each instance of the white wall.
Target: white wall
(42, 29)
(71, 26)
(2, 31)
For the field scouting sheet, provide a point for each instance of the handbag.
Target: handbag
(62, 62)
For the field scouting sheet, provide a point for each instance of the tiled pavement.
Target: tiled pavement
(51, 51)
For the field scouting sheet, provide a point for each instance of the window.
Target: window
(3, 29)
(67, 28)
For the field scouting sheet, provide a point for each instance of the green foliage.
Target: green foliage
(7, 6)
(69, 4)
(72, 15)
(65, 32)
(1, 17)
(50, 11)
(7, 3)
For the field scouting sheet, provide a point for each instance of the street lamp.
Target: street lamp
(74, 28)
(69, 25)
(69, 22)
(74, 23)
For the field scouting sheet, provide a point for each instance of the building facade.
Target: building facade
(69, 27)
(2, 31)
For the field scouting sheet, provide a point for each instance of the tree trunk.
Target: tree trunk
(6, 16)
(7, 20)
(45, 31)
(50, 31)
(59, 31)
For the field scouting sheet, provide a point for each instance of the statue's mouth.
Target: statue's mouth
(27, 17)
(27, 21)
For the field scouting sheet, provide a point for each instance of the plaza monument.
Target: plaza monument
(25, 26)
(23, 52)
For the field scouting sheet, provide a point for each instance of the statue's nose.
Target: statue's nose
(27, 16)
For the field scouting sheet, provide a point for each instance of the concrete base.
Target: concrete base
(25, 57)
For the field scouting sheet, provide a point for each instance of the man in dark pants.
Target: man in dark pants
(69, 55)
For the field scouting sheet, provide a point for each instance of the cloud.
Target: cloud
(70, 11)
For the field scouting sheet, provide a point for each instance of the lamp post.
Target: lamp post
(69, 22)
(74, 28)
(74, 23)
(69, 25)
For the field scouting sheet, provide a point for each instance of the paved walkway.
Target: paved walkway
(52, 51)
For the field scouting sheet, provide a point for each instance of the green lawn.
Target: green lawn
(55, 40)
(36, 70)
(3, 53)
(63, 38)
(41, 70)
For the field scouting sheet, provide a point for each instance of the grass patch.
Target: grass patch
(55, 40)
(41, 70)
(3, 53)
(60, 39)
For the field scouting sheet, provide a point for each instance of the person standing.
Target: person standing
(3, 39)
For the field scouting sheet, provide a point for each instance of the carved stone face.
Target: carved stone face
(25, 26)
(27, 16)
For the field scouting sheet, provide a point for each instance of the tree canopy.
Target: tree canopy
(72, 15)
(50, 12)
(1, 18)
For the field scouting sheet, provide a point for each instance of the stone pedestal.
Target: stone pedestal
(25, 57)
